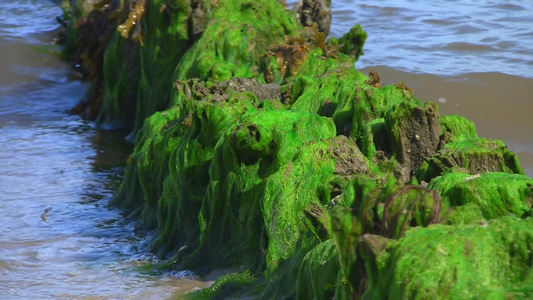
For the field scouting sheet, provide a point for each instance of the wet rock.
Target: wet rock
(349, 161)
(314, 11)
(198, 19)
(222, 91)
(414, 135)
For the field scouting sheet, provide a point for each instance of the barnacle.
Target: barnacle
(134, 19)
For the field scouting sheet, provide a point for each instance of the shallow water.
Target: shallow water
(58, 237)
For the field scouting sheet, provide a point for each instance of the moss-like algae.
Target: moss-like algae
(487, 192)
(489, 261)
(473, 156)
(305, 182)
(457, 128)
(238, 34)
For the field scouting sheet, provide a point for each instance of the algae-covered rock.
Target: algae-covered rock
(353, 41)
(489, 261)
(270, 160)
(473, 156)
(238, 33)
(415, 134)
(273, 156)
(121, 77)
(317, 276)
(494, 194)
(381, 208)
(457, 129)
(342, 95)
(165, 36)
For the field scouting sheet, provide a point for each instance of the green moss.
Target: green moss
(121, 80)
(233, 285)
(353, 41)
(487, 192)
(457, 128)
(239, 32)
(473, 156)
(457, 262)
(343, 96)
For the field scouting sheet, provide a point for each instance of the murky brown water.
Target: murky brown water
(58, 237)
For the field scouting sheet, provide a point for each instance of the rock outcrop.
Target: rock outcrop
(259, 147)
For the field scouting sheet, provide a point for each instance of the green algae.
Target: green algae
(352, 42)
(303, 185)
(376, 207)
(165, 41)
(473, 156)
(492, 198)
(456, 262)
(457, 128)
(343, 96)
(280, 175)
(238, 33)
(121, 80)
(234, 285)
(317, 275)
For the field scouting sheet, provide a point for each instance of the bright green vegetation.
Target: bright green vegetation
(494, 194)
(477, 261)
(259, 148)
(473, 156)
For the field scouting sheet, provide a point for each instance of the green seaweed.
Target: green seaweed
(490, 261)
(457, 128)
(473, 156)
(487, 192)
(238, 34)
(166, 39)
(307, 188)
(121, 79)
